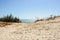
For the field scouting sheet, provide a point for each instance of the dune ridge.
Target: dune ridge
(41, 30)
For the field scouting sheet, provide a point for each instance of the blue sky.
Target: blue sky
(28, 9)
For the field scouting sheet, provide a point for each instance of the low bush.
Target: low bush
(9, 18)
(39, 20)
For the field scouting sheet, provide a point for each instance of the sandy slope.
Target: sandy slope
(33, 31)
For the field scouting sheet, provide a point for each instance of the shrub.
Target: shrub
(9, 18)
(51, 17)
(39, 20)
(16, 19)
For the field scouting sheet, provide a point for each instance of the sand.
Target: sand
(31, 31)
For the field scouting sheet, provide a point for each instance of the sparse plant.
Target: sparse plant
(51, 17)
(39, 20)
(9, 18)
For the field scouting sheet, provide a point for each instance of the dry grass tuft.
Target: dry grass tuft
(3, 24)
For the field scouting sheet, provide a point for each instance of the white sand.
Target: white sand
(33, 31)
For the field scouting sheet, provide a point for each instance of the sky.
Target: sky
(30, 9)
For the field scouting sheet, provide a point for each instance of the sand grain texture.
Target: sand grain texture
(33, 31)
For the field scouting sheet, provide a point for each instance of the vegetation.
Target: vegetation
(9, 18)
(39, 20)
(3, 24)
(50, 18)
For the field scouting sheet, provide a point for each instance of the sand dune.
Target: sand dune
(45, 30)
